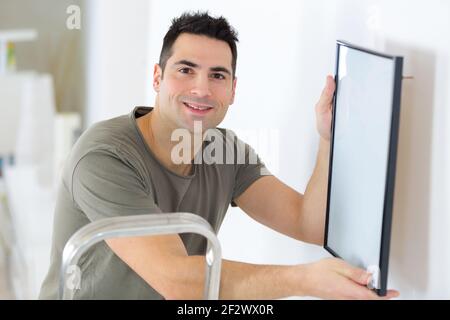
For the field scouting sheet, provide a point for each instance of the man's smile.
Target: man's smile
(195, 108)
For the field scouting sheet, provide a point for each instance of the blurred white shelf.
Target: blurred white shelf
(18, 35)
(32, 221)
(40, 140)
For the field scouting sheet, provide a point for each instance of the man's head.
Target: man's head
(196, 71)
(200, 24)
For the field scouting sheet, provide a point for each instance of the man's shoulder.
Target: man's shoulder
(116, 137)
(115, 131)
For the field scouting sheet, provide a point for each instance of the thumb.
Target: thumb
(358, 275)
(326, 97)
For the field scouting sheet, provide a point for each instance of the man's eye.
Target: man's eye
(185, 70)
(218, 76)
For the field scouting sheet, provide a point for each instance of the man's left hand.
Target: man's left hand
(323, 109)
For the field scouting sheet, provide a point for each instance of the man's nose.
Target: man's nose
(201, 87)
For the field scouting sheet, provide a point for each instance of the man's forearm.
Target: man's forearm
(312, 220)
(252, 281)
(238, 280)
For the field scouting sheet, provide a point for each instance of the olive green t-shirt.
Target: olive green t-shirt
(112, 172)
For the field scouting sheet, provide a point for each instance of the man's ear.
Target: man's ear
(233, 91)
(157, 77)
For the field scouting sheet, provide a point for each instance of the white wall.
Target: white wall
(285, 51)
(420, 31)
(420, 253)
(116, 68)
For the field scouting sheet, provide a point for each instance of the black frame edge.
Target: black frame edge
(392, 160)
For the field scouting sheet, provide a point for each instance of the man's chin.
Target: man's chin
(196, 126)
(199, 126)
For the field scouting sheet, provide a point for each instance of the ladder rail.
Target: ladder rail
(141, 225)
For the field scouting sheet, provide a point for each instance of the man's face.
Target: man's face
(198, 84)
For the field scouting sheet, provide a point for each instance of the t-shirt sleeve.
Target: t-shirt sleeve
(248, 172)
(104, 186)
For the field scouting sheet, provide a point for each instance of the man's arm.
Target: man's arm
(312, 218)
(281, 208)
(163, 263)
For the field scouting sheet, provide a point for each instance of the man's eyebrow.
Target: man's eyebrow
(221, 69)
(194, 65)
(187, 62)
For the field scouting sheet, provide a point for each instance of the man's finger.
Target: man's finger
(391, 294)
(327, 94)
(363, 293)
(367, 294)
(359, 279)
(358, 275)
(355, 291)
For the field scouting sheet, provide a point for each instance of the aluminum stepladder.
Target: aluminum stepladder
(143, 225)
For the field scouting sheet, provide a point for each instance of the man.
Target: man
(125, 166)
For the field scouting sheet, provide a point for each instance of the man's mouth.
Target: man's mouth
(197, 108)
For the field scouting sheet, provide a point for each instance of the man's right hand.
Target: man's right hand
(333, 278)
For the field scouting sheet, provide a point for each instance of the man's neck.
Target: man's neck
(157, 133)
